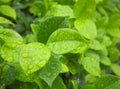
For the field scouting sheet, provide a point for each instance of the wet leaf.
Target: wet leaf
(51, 70)
(8, 11)
(86, 28)
(63, 41)
(33, 57)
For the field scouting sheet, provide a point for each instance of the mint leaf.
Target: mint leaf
(63, 40)
(62, 10)
(91, 65)
(8, 11)
(108, 82)
(10, 37)
(5, 21)
(86, 28)
(11, 54)
(46, 26)
(105, 60)
(51, 70)
(115, 68)
(84, 9)
(33, 57)
(94, 44)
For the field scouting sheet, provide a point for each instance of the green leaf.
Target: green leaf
(86, 28)
(63, 40)
(107, 41)
(10, 37)
(23, 85)
(58, 84)
(92, 54)
(116, 69)
(114, 21)
(105, 60)
(94, 44)
(114, 32)
(88, 86)
(81, 48)
(46, 26)
(21, 75)
(65, 2)
(64, 68)
(5, 21)
(114, 54)
(108, 82)
(10, 54)
(8, 11)
(62, 10)
(51, 70)
(8, 74)
(33, 57)
(91, 65)
(4, 1)
(37, 8)
(84, 9)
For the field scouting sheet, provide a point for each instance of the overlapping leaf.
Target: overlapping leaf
(46, 26)
(84, 9)
(63, 40)
(86, 28)
(33, 57)
(8, 11)
(51, 70)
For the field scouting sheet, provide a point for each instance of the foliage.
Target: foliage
(59, 44)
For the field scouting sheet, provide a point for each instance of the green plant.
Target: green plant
(59, 44)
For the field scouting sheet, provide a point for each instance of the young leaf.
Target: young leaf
(116, 69)
(51, 70)
(33, 57)
(105, 60)
(92, 54)
(108, 82)
(94, 44)
(84, 9)
(21, 76)
(8, 11)
(46, 26)
(64, 68)
(86, 28)
(5, 21)
(62, 10)
(91, 65)
(63, 40)
(10, 37)
(37, 8)
(81, 48)
(11, 54)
